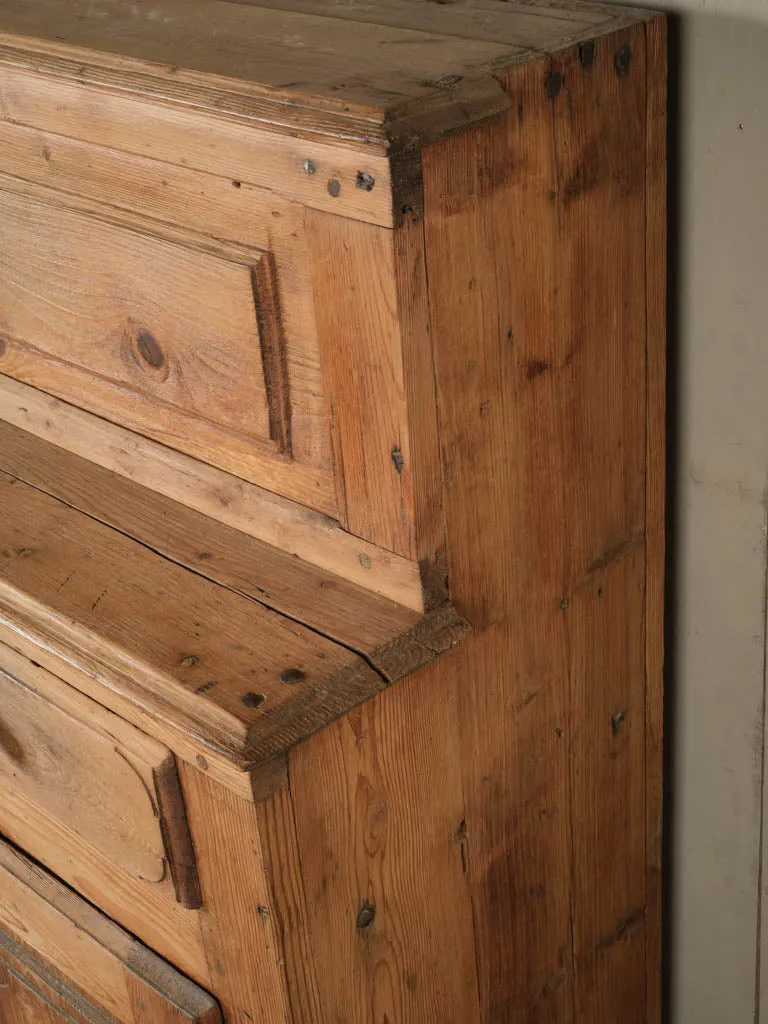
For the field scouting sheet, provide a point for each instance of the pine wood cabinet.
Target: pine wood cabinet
(332, 344)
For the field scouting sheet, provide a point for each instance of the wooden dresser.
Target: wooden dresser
(332, 341)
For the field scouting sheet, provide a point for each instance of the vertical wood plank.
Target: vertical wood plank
(288, 904)
(421, 451)
(656, 282)
(382, 836)
(536, 248)
(599, 115)
(239, 935)
(491, 222)
(373, 322)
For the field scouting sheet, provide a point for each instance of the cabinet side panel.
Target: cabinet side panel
(245, 959)
(536, 254)
(600, 143)
(492, 239)
(382, 836)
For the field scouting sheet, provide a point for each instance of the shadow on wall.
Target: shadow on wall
(673, 445)
(717, 480)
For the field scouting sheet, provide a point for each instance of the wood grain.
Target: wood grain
(99, 803)
(110, 785)
(404, 75)
(381, 832)
(373, 323)
(99, 608)
(125, 120)
(241, 942)
(108, 606)
(188, 355)
(252, 510)
(274, 360)
(479, 845)
(601, 210)
(288, 904)
(161, 349)
(353, 275)
(30, 994)
(492, 242)
(329, 603)
(149, 912)
(552, 199)
(90, 953)
(656, 325)
(75, 772)
(151, 197)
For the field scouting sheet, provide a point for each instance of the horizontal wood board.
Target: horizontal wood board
(363, 72)
(206, 630)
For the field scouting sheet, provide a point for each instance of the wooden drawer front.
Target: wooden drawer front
(102, 784)
(177, 338)
(60, 960)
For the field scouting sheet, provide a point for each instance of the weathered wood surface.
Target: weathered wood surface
(198, 355)
(249, 509)
(29, 994)
(539, 777)
(171, 639)
(239, 924)
(373, 323)
(88, 953)
(359, 73)
(128, 120)
(105, 783)
(395, 638)
(482, 844)
(232, 665)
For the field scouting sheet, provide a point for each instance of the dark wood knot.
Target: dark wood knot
(11, 746)
(150, 351)
(366, 916)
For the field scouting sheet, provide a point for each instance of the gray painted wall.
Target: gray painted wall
(721, 485)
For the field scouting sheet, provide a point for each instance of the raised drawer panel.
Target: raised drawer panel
(193, 353)
(102, 781)
(176, 345)
(61, 960)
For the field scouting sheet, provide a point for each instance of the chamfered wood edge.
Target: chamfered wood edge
(133, 955)
(136, 691)
(253, 510)
(451, 106)
(398, 131)
(115, 681)
(34, 975)
(176, 836)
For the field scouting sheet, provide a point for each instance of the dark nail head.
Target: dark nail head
(292, 675)
(554, 84)
(253, 700)
(622, 61)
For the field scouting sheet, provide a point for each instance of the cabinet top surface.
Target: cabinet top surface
(404, 71)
